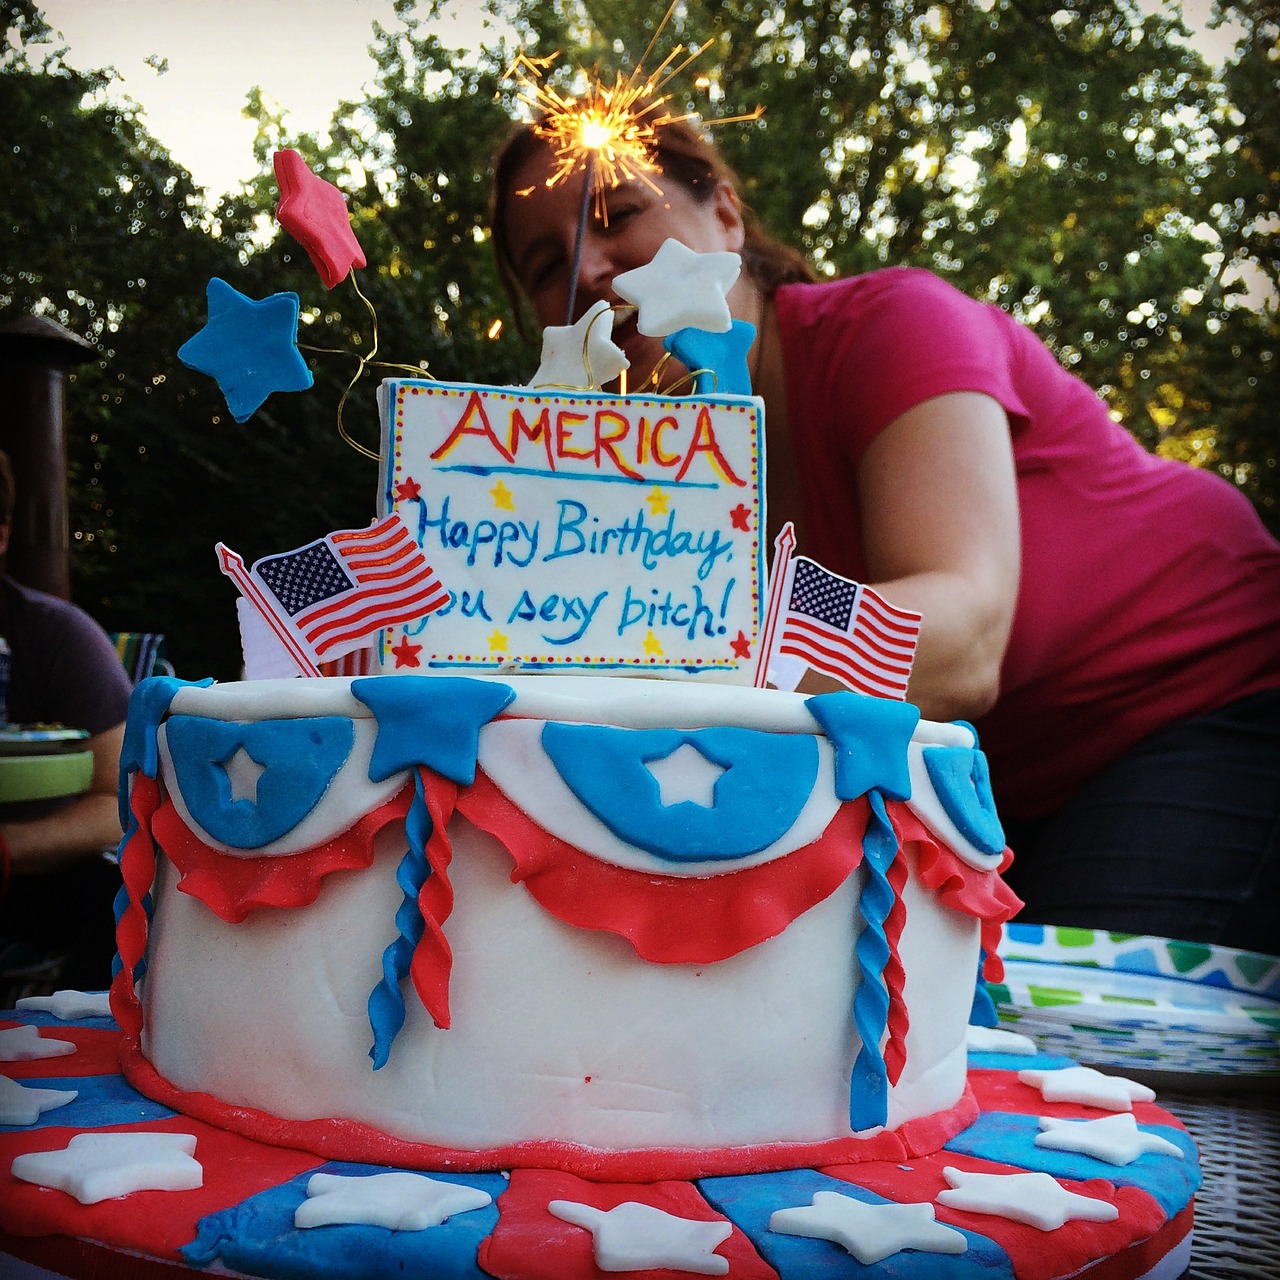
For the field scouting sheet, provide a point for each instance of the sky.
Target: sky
(306, 55)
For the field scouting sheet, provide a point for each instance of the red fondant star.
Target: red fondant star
(741, 646)
(741, 517)
(314, 213)
(407, 490)
(406, 654)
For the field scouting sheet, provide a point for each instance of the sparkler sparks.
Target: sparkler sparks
(610, 132)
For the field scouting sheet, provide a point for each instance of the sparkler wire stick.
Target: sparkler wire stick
(588, 175)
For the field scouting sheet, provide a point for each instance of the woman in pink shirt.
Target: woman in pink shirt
(1108, 619)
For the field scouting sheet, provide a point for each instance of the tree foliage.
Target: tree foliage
(1076, 163)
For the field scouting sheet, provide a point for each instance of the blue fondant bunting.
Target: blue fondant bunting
(767, 780)
(298, 758)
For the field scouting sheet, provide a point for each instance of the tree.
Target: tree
(104, 233)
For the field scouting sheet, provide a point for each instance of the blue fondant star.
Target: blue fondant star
(250, 347)
(870, 737)
(718, 361)
(432, 722)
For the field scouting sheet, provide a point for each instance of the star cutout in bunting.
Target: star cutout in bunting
(243, 772)
(248, 346)
(70, 1005)
(581, 356)
(314, 212)
(718, 361)
(1115, 1139)
(101, 1166)
(396, 1201)
(26, 1044)
(686, 775)
(681, 289)
(637, 1237)
(24, 1104)
(1034, 1198)
(870, 1232)
(1088, 1087)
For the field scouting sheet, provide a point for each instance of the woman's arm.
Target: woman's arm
(938, 498)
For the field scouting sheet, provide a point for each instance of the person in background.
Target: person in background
(1110, 620)
(63, 670)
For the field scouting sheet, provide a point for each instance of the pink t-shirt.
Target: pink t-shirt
(1150, 590)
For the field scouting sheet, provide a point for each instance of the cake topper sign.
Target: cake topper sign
(591, 533)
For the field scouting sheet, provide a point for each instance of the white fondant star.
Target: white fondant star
(101, 1166)
(1115, 1139)
(243, 772)
(26, 1044)
(23, 1104)
(681, 289)
(636, 1237)
(582, 355)
(397, 1201)
(994, 1040)
(1034, 1198)
(69, 1005)
(686, 774)
(1088, 1087)
(870, 1232)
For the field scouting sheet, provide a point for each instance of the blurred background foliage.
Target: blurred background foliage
(1080, 164)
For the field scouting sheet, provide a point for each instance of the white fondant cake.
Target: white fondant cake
(583, 924)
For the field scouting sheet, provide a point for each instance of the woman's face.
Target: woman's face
(543, 224)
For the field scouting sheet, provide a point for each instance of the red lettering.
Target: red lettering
(704, 441)
(540, 430)
(565, 423)
(474, 422)
(655, 442)
(607, 442)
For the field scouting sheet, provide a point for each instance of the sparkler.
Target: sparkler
(609, 133)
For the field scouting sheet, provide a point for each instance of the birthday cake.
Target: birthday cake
(512, 960)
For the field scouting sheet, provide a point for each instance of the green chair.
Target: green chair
(142, 652)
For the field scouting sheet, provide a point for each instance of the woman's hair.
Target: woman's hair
(684, 155)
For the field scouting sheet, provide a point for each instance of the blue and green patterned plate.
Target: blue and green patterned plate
(1141, 1002)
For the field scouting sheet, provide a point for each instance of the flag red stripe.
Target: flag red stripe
(361, 630)
(836, 639)
(407, 580)
(400, 606)
(888, 636)
(890, 613)
(836, 653)
(890, 659)
(381, 614)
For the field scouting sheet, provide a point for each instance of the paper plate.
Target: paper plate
(31, 740)
(1129, 1000)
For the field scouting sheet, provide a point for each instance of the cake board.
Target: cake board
(240, 1220)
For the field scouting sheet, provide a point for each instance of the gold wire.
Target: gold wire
(365, 362)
